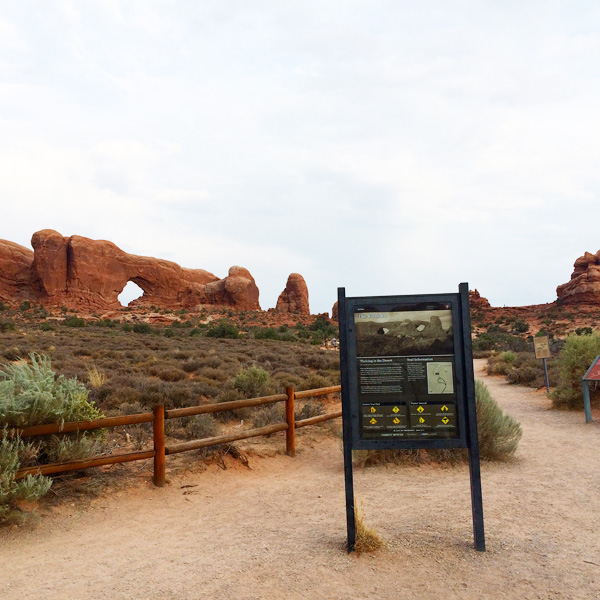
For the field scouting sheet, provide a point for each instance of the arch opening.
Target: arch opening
(132, 291)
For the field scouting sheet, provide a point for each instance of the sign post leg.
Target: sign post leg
(587, 405)
(347, 429)
(546, 375)
(474, 464)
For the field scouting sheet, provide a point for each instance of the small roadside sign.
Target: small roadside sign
(541, 346)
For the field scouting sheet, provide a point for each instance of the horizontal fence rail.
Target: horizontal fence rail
(158, 417)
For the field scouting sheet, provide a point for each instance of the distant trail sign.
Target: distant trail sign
(541, 347)
(407, 382)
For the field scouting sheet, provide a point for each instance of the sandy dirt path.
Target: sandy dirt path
(278, 530)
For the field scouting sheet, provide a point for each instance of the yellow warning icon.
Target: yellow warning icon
(395, 409)
(396, 421)
(373, 421)
(373, 409)
(421, 420)
(420, 409)
(444, 408)
(445, 420)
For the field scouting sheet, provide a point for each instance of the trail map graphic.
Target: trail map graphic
(439, 378)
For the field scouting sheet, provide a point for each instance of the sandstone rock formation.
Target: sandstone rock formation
(584, 287)
(15, 271)
(294, 298)
(476, 301)
(334, 313)
(86, 274)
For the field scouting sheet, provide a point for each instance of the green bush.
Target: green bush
(12, 492)
(142, 328)
(498, 433)
(223, 329)
(253, 382)
(31, 394)
(73, 321)
(575, 359)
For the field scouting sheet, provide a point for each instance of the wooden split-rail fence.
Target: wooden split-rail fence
(158, 416)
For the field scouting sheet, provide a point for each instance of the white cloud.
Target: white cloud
(388, 147)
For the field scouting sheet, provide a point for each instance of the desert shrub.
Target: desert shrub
(223, 329)
(265, 333)
(127, 327)
(30, 394)
(509, 356)
(323, 327)
(200, 427)
(171, 374)
(7, 326)
(520, 326)
(573, 362)
(12, 491)
(46, 326)
(142, 328)
(310, 409)
(74, 321)
(498, 433)
(26, 305)
(270, 414)
(321, 360)
(12, 354)
(191, 365)
(315, 381)
(253, 382)
(498, 341)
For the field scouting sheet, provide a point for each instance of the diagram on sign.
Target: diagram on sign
(439, 378)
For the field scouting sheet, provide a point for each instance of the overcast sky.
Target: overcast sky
(390, 147)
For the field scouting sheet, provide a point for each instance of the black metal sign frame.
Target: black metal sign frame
(449, 417)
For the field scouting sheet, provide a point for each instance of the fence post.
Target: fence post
(159, 445)
(290, 434)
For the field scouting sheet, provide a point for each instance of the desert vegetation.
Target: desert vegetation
(32, 394)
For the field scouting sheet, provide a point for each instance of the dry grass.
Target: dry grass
(96, 377)
(367, 538)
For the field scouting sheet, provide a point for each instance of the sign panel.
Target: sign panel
(405, 372)
(593, 373)
(541, 346)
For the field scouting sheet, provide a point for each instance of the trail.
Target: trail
(278, 530)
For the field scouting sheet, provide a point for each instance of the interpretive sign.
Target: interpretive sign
(407, 381)
(541, 346)
(405, 371)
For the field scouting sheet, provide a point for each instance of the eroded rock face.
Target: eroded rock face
(477, 301)
(15, 272)
(294, 298)
(584, 287)
(238, 289)
(334, 313)
(86, 274)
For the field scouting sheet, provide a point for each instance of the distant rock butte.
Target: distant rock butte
(294, 299)
(584, 287)
(477, 301)
(86, 274)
